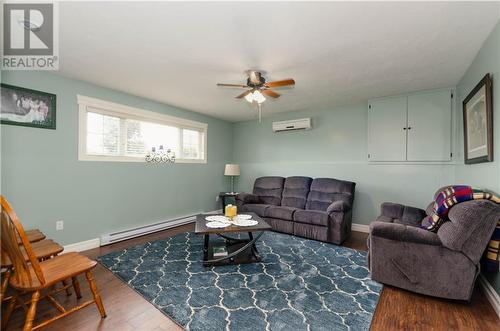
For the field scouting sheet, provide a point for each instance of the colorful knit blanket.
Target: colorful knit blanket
(449, 196)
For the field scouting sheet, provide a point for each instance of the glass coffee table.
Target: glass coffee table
(239, 250)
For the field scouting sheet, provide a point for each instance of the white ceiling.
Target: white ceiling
(338, 53)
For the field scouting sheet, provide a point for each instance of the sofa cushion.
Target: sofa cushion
(247, 198)
(315, 232)
(315, 217)
(295, 191)
(280, 212)
(400, 214)
(324, 191)
(280, 225)
(269, 189)
(258, 208)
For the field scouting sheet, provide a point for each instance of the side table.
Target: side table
(227, 198)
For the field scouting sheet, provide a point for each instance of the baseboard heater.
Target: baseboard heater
(114, 237)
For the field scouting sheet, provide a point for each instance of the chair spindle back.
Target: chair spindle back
(13, 240)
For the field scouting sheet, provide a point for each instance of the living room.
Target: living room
(263, 165)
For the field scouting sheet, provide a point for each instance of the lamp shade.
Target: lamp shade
(232, 170)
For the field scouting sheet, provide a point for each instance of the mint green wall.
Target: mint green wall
(335, 147)
(483, 175)
(45, 182)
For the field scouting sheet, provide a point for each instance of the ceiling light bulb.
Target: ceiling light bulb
(257, 96)
(249, 97)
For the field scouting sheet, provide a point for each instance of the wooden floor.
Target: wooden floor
(127, 310)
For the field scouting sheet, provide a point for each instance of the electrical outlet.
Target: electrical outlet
(216, 198)
(59, 225)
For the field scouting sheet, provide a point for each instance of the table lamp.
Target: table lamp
(232, 170)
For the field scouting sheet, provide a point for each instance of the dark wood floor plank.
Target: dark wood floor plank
(127, 310)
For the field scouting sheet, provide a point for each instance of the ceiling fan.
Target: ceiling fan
(257, 87)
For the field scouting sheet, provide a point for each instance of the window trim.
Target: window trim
(119, 110)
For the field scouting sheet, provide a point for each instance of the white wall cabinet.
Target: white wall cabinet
(414, 127)
(387, 139)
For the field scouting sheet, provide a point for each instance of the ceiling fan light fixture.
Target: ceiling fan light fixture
(256, 85)
(255, 96)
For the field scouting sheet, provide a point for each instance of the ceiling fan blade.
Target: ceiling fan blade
(279, 83)
(244, 94)
(232, 85)
(270, 93)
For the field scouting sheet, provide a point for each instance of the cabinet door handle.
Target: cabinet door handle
(409, 128)
(404, 129)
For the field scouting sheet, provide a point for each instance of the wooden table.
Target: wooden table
(240, 250)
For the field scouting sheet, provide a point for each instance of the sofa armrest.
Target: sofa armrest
(338, 206)
(404, 233)
(247, 198)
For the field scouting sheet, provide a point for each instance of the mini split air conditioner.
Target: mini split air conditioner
(299, 124)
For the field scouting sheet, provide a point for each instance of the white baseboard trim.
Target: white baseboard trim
(159, 226)
(82, 245)
(114, 237)
(360, 227)
(135, 232)
(490, 294)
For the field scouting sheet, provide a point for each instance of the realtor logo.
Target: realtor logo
(30, 36)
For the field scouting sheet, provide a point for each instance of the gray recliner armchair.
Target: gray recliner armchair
(443, 264)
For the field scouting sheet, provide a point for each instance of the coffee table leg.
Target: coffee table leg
(255, 252)
(250, 244)
(205, 247)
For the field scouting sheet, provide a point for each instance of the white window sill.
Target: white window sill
(106, 158)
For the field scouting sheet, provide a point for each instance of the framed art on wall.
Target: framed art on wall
(25, 107)
(478, 123)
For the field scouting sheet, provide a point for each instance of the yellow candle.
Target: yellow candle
(230, 211)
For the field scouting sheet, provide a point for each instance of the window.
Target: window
(113, 132)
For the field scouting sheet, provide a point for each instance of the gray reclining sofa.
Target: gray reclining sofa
(319, 208)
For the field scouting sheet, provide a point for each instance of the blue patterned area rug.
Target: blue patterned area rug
(299, 285)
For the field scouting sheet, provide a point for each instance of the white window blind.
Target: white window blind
(191, 142)
(143, 136)
(103, 134)
(113, 132)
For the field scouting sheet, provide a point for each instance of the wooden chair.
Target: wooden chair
(37, 278)
(43, 250)
(34, 235)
